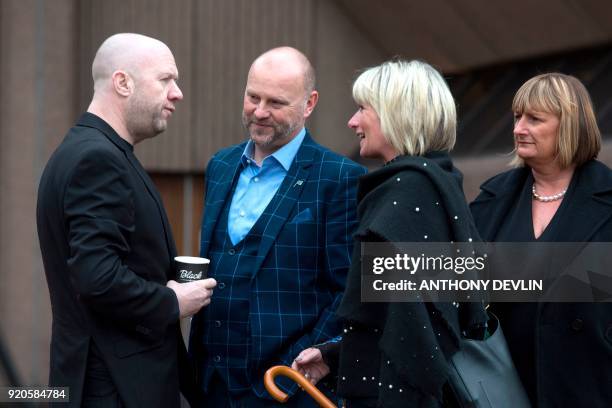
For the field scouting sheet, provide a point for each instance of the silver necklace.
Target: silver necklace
(547, 199)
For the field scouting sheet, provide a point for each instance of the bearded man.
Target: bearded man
(106, 242)
(279, 215)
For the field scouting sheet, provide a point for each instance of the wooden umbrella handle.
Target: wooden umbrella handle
(280, 396)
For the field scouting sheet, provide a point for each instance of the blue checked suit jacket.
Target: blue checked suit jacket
(303, 257)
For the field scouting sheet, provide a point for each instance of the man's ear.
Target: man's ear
(311, 102)
(123, 83)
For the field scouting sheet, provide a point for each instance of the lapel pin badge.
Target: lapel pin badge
(298, 183)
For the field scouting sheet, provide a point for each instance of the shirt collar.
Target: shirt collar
(284, 155)
(91, 120)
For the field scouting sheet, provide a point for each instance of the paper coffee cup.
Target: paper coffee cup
(190, 268)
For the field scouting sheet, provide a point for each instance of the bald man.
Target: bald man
(278, 220)
(106, 243)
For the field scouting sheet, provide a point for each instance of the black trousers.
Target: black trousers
(99, 390)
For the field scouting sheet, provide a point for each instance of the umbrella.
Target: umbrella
(280, 396)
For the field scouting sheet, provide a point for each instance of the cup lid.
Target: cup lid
(192, 259)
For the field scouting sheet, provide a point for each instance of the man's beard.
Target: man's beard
(280, 131)
(144, 121)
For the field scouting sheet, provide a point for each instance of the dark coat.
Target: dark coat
(573, 340)
(397, 352)
(107, 250)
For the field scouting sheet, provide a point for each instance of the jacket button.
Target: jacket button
(221, 285)
(231, 251)
(577, 325)
(217, 323)
(217, 359)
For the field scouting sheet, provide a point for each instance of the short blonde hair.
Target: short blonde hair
(579, 138)
(416, 109)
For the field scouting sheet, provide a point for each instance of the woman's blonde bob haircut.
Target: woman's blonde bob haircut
(578, 138)
(416, 109)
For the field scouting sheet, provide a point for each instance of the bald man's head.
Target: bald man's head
(135, 85)
(292, 58)
(278, 98)
(125, 51)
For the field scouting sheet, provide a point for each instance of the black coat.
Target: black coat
(573, 340)
(107, 250)
(404, 346)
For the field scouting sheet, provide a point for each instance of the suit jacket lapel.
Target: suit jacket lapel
(590, 206)
(158, 201)
(285, 198)
(93, 121)
(219, 195)
(490, 208)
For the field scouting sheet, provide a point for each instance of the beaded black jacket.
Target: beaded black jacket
(397, 353)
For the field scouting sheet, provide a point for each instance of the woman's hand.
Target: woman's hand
(310, 364)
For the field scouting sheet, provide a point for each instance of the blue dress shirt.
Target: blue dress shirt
(257, 185)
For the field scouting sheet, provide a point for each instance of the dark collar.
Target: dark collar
(506, 182)
(88, 119)
(594, 178)
(591, 201)
(303, 157)
(438, 161)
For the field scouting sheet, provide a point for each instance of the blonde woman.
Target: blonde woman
(395, 354)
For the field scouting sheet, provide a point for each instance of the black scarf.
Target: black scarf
(417, 338)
